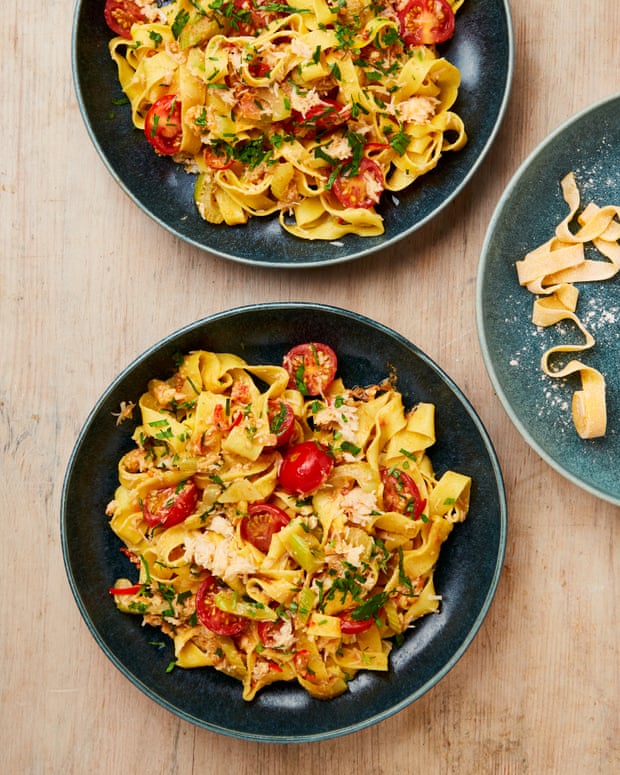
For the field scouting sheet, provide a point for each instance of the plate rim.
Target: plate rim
(513, 183)
(498, 560)
(306, 264)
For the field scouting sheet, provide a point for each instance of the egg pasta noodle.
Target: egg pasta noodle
(550, 272)
(308, 109)
(350, 566)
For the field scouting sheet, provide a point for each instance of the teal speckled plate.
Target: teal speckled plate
(540, 407)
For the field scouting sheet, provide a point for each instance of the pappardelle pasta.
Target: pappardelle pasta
(284, 527)
(550, 272)
(308, 109)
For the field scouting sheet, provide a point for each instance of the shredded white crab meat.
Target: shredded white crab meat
(301, 49)
(344, 417)
(416, 110)
(348, 552)
(215, 551)
(338, 148)
(358, 506)
(303, 102)
(283, 637)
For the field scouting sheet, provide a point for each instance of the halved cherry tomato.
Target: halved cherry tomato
(269, 633)
(259, 69)
(213, 618)
(363, 189)
(281, 420)
(217, 159)
(170, 505)
(304, 468)
(351, 626)
(121, 14)
(162, 125)
(312, 367)
(426, 22)
(262, 522)
(401, 494)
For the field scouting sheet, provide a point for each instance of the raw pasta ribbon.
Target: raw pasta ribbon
(550, 271)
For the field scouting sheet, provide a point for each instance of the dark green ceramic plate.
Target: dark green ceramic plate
(466, 576)
(589, 145)
(482, 49)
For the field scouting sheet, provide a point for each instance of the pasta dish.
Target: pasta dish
(283, 526)
(308, 109)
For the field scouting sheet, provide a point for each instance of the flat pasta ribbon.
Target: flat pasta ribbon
(352, 563)
(285, 105)
(549, 272)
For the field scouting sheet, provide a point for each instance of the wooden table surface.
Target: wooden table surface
(87, 282)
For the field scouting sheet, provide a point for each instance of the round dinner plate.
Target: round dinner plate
(588, 145)
(467, 574)
(482, 49)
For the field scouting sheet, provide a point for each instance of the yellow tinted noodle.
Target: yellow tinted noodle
(250, 83)
(342, 550)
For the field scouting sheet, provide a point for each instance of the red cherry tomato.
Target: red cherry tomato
(401, 494)
(426, 22)
(281, 421)
(311, 367)
(213, 618)
(351, 626)
(361, 190)
(217, 159)
(121, 14)
(170, 505)
(162, 125)
(262, 522)
(259, 69)
(269, 633)
(304, 468)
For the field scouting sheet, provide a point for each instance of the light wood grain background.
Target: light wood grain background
(87, 282)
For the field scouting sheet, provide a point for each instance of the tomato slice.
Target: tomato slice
(426, 22)
(259, 69)
(270, 633)
(217, 158)
(213, 618)
(121, 14)
(311, 367)
(162, 125)
(169, 506)
(401, 494)
(281, 421)
(262, 522)
(351, 626)
(304, 468)
(363, 189)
